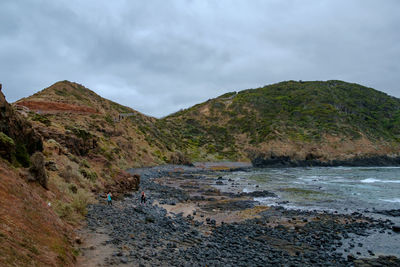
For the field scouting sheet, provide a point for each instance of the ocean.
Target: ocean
(344, 189)
(334, 189)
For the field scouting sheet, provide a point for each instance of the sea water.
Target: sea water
(343, 189)
(335, 189)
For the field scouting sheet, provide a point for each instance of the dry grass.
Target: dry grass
(219, 168)
(29, 229)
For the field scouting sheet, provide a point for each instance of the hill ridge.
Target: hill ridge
(290, 118)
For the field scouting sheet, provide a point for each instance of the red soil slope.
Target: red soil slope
(55, 107)
(31, 234)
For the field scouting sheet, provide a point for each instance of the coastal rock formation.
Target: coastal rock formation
(179, 158)
(271, 160)
(124, 182)
(77, 141)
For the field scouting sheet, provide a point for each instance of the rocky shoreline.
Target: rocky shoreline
(187, 224)
(272, 161)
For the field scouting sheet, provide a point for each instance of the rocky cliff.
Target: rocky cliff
(18, 140)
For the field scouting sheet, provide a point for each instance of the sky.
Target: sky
(162, 56)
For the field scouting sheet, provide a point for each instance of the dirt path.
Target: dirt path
(94, 249)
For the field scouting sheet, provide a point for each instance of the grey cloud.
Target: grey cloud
(160, 56)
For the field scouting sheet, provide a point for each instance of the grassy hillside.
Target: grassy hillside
(121, 134)
(291, 117)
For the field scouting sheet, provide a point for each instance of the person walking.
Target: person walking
(109, 201)
(143, 198)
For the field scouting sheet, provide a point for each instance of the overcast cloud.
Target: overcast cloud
(160, 56)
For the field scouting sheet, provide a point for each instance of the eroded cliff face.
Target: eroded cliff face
(78, 142)
(18, 139)
(331, 151)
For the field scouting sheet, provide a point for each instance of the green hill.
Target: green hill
(331, 120)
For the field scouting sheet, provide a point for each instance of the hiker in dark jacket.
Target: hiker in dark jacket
(143, 198)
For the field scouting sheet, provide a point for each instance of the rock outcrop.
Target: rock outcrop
(78, 141)
(124, 182)
(18, 139)
(180, 159)
(272, 160)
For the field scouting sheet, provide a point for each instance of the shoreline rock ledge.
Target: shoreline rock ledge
(264, 160)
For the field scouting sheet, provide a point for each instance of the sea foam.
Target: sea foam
(393, 200)
(373, 180)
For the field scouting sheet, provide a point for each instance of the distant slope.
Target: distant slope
(322, 120)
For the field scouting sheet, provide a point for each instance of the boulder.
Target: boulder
(396, 228)
(122, 183)
(180, 159)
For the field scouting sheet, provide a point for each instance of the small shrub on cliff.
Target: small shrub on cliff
(109, 119)
(79, 132)
(42, 119)
(7, 147)
(84, 163)
(38, 170)
(22, 155)
(74, 210)
(63, 210)
(68, 173)
(80, 202)
(73, 188)
(73, 158)
(5, 139)
(88, 174)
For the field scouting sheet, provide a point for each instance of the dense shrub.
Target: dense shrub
(38, 170)
(88, 174)
(42, 119)
(68, 173)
